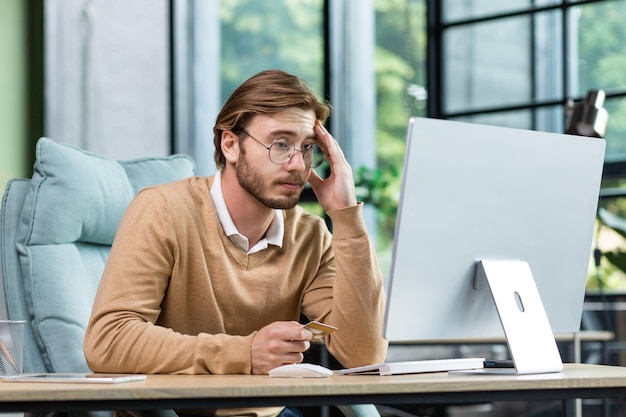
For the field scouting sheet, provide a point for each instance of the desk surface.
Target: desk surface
(219, 391)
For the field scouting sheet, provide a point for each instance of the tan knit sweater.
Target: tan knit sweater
(178, 296)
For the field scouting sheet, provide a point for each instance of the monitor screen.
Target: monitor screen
(472, 192)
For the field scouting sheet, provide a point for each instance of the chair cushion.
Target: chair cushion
(67, 225)
(11, 272)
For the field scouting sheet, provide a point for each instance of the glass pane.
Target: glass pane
(283, 34)
(544, 119)
(400, 94)
(550, 119)
(487, 64)
(468, 9)
(616, 129)
(599, 57)
(520, 119)
(548, 56)
(503, 62)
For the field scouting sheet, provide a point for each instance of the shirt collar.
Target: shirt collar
(273, 235)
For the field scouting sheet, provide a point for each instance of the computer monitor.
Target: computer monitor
(472, 192)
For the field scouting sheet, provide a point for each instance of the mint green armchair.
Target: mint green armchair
(57, 229)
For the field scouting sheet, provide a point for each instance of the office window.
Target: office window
(601, 63)
(258, 35)
(400, 64)
(517, 63)
(463, 9)
(492, 64)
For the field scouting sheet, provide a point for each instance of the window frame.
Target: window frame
(436, 66)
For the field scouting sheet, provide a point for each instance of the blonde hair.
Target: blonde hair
(266, 93)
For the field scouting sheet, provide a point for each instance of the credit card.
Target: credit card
(319, 329)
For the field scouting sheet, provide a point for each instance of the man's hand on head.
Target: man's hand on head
(337, 191)
(279, 343)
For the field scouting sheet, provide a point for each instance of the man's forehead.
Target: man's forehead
(291, 118)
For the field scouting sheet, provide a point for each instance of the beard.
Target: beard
(250, 180)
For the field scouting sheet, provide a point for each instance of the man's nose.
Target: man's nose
(296, 161)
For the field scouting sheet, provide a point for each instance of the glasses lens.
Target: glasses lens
(313, 156)
(281, 150)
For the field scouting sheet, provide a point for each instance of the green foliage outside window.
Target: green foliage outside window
(602, 59)
(400, 89)
(280, 34)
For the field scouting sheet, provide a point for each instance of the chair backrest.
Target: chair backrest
(56, 230)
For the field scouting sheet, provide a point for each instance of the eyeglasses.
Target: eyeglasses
(283, 149)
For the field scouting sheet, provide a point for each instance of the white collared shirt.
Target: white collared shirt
(273, 235)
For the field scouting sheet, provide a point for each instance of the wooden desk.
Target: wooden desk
(204, 391)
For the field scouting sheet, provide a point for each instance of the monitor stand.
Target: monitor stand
(526, 327)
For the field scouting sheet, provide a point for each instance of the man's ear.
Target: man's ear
(230, 146)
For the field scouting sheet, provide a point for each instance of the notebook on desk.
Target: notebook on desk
(416, 367)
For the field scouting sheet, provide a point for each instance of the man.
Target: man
(210, 275)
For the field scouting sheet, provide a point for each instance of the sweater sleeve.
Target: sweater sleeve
(124, 333)
(348, 292)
